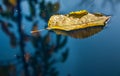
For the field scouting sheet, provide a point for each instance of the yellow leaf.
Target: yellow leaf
(76, 20)
(79, 24)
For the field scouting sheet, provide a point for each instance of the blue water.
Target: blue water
(98, 55)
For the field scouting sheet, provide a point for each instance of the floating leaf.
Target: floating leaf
(79, 24)
(76, 20)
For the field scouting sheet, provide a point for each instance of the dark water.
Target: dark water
(98, 55)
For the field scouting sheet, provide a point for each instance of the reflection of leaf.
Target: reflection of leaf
(78, 20)
(81, 33)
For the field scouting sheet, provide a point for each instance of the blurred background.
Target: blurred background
(47, 54)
